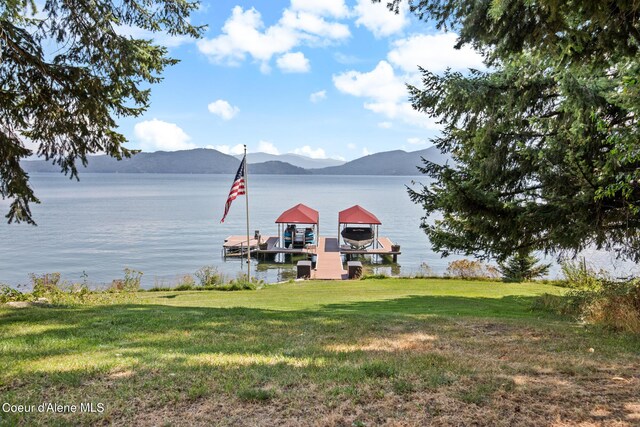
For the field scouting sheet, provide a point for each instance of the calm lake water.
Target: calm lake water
(169, 225)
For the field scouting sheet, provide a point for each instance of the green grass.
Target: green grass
(384, 296)
(415, 349)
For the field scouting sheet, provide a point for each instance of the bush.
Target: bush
(187, 283)
(8, 294)
(580, 275)
(45, 284)
(211, 280)
(208, 276)
(242, 282)
(424, 271)
(565, 305)
(596, 298)
(130, 283)
(615, 304)
(49, 289)
(471, 269)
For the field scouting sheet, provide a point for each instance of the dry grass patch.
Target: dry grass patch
(418, 359)
(415, 341)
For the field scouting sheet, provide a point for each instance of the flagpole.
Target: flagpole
(246, 198)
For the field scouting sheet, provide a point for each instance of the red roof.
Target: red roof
(357, 215)
(299, 214)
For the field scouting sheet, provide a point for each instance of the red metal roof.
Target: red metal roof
(357, 215)
(299, 214)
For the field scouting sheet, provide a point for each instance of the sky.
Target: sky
(322, 78)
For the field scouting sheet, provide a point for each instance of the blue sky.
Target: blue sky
(323, 78)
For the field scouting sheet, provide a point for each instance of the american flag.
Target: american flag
(237, 188)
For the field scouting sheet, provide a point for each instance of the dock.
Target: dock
(328, 253)
(385, 247)
(329, 261)
(237, 246)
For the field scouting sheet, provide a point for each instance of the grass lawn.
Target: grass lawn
(372, 352)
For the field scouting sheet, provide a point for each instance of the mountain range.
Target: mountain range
(293, 159)
(208, 161)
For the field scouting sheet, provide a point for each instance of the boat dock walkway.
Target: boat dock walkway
(329, 261)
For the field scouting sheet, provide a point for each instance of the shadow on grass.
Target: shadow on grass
(147, 332)
(169, 354)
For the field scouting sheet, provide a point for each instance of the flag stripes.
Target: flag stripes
(237, 188)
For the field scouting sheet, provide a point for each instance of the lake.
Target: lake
(168, 225)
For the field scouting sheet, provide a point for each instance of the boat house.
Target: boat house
(358, 228)
(298, 227)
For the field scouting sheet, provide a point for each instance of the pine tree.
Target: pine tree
(522, 267)
(66, 74)
(544, 144)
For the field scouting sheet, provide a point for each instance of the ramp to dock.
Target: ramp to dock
(329, 261)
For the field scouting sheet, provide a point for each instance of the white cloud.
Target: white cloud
(385, 92)
(318, 96)
(293, 62)
(384, 89)
(244, 33)
(366, 152)
(378, 19)
(335, 8)
(313, 27)
(236, 149)
(351, 146)
(317, 153)
(241, 35)
(434, 52)
(380, 83)
(417, 141)
(156, 135)
(267, 147)
(223, 109)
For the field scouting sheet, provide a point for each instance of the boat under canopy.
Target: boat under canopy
(291, 234)
(358, 227)
(358, 237)
(298, 237)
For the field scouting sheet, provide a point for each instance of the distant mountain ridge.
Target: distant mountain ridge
(396, 162)
(293, 159)
(208, 161)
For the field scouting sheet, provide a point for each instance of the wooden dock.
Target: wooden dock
(329, 261)
(385, 247)
(237, 245)
(328, 253)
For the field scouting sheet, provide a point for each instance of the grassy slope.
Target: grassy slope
(421, 351)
